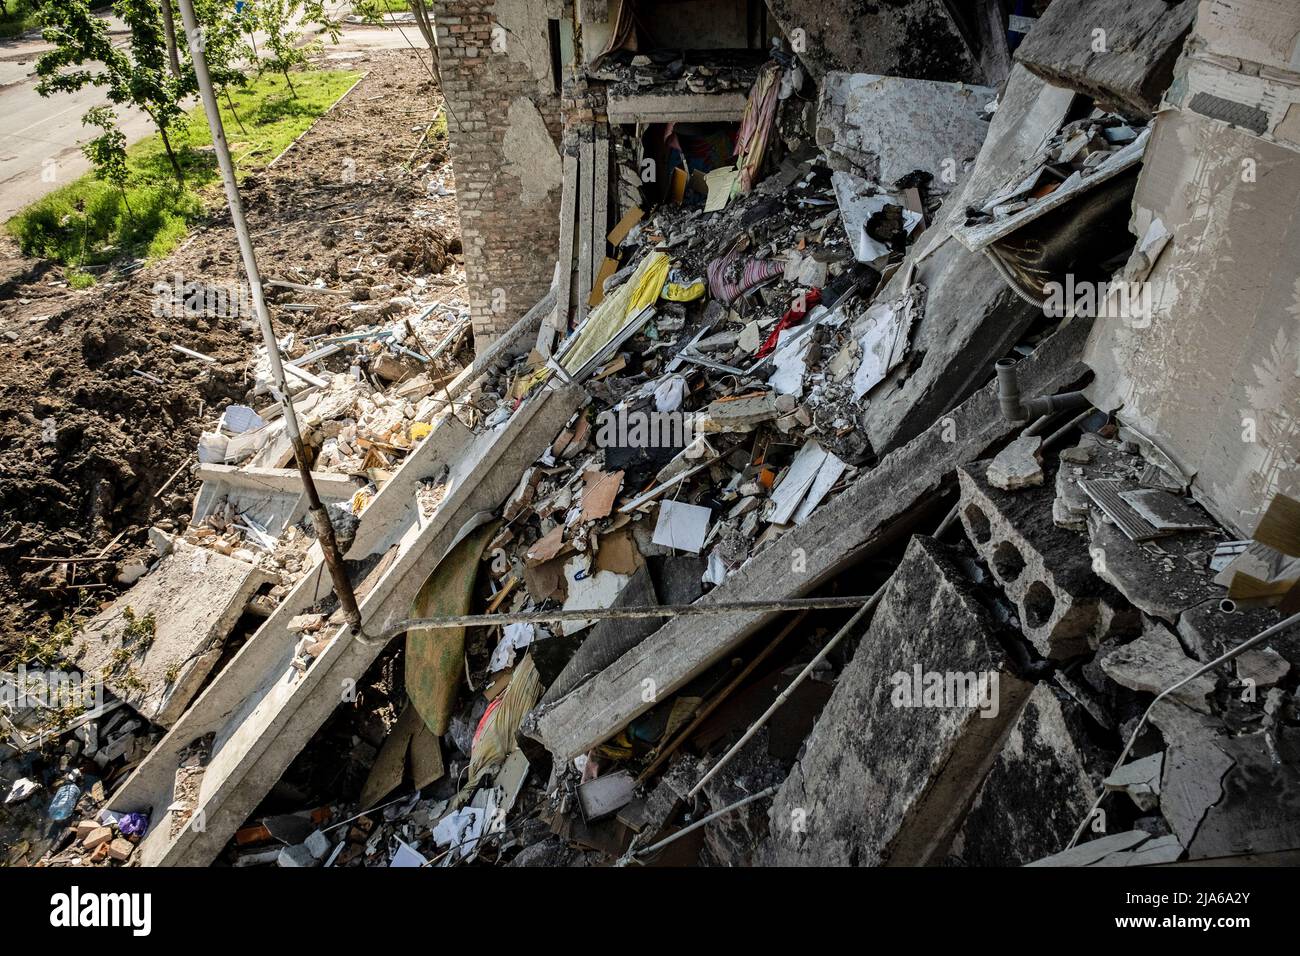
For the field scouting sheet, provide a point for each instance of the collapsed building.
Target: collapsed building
(934, 378)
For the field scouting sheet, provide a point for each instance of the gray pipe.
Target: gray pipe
(1016, 408)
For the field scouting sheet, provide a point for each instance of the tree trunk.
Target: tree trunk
(126, 202)
(290, 82)
(167, 145)
(169, 30)
(231, 104)
(426, 27)
(425, 23)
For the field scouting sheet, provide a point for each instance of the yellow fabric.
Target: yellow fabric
(606, 319)
(676, 292)
(498, 737)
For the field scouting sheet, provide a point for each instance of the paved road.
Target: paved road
(40, 137)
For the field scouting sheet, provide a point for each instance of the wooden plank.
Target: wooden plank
(586, 214)
(600, 188)
(557, 324)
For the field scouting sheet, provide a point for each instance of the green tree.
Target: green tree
(225, 47)
(285, 23)
(107, 151)
(136, 74)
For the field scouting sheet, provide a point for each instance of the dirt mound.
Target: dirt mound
(98, 410)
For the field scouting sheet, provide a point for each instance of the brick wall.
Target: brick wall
(504, 123)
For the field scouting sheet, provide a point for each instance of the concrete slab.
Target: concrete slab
(261, 710)
(1065, 609)
(272, 497)
(1163, 580)
(1133, 848)
(1041, 785)
(194, 597)
(1221, 324)
(888, 772)
(883, 128)
(971, 318)
(870, 515)
(1251, 816)
(1120, 52)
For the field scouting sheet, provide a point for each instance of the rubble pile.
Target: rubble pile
(817, 515)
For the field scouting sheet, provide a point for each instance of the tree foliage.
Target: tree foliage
(284, 24)
(107, 151)
(136, 74)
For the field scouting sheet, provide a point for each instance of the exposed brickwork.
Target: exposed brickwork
(510, 228)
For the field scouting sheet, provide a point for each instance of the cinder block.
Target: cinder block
(1064, 608)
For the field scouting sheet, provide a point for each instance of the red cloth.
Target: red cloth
(793, 316)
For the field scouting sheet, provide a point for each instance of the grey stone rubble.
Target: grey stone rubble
(768, 374)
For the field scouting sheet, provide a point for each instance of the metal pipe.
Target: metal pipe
(1009, 391)
(623, 613)
(319, 517)
(703, 821)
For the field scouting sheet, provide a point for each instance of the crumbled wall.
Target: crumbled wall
(504, 124)
(914, 38)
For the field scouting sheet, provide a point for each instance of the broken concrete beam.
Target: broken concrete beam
(1119, 52)
(262, 709)
(745, 414)
(1041, 785)
(885, 128)
(916, 720)
(1064, 608)
(971, 318)
(915, 38)
(723, 106)
(873, 513)
(156, 644)
(271, 496)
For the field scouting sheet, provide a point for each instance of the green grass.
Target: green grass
(375, 7)
(87, 222)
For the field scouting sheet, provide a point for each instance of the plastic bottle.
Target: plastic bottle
(65, 799)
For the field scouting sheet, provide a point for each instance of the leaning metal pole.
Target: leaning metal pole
(319, 517)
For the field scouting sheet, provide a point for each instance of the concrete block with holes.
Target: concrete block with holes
(1065, 609)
